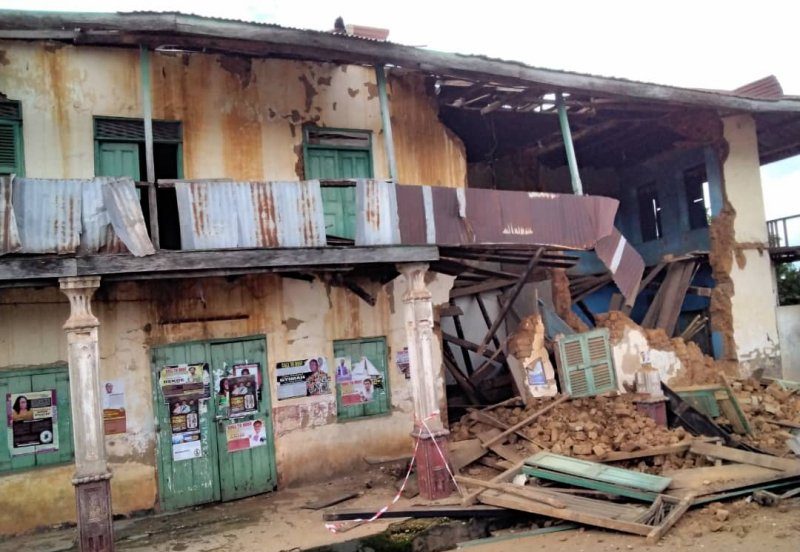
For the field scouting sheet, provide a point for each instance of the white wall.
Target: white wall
(789, 332)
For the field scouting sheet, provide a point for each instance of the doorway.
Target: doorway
(216, 470)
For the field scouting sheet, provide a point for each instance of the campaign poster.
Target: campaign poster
(183, 414)
(114, 418)
(32, 422)
(403, 363)
(246, 435)
(186, 446)
(183, 379)
(242, 396)
(303, 378)
(249, 369)
(364, 385)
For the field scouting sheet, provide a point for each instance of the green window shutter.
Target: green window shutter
(11, 158)
(585, 364)
(373, 349)
(118, 159)
(43, 379)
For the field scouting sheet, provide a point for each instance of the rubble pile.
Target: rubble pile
(585, 428)
(771, 412)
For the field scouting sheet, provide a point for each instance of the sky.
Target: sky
(702, 44)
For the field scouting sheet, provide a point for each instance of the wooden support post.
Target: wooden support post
(147, 115)
(512, 296)
(577, 186)
(386, 118)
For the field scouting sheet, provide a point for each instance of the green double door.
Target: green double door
(217, 474)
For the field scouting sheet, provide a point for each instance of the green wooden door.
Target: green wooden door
(118, 159)
(185, 482)
(251, 471)
(338, 202)
(373, 349)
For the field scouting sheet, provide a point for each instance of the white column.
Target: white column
(92, 478)
(425, 376)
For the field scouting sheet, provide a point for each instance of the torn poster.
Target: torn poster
(186, 445)
(363, 384)
(114, 418)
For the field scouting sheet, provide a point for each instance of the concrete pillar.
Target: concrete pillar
(92, 478)
(433, 476)
(754, 299)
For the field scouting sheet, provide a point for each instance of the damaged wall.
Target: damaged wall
(753, 297)
(298, 319)
(789, 333)
(242, 118)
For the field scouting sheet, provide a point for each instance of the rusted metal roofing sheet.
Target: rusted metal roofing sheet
(101, 215)
(125, 214)
(624, 263)
(9, 236)
(376, 204)
(227, 214)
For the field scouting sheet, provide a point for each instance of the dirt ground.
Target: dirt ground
(277, 522)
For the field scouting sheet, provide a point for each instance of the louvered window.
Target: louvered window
(584, 361)
(132, 130)
(11, 156)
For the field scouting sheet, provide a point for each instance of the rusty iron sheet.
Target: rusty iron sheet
(376, 204)
(624, 263)
(48, 214)
(232, 214)
(97, 233)
(9, 236)
(125, 215)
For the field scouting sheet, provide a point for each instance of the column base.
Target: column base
(95, 529)
(432, 460)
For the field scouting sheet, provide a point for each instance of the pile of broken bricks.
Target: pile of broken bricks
(600, 449)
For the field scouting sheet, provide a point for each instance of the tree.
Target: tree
(788, 284)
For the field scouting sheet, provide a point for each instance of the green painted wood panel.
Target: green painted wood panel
(21, 384)
(375, 350)
(585, 364)
(118, 159)
(598, 472)
(704, 400)
(245, 472)
(12, 158)
(187, 482)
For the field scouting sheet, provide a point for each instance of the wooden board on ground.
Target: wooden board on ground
(503, 451)
(463, 453)
(745, 457)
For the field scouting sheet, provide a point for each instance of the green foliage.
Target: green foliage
(788, 284)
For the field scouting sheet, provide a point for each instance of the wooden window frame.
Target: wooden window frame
(343, 416)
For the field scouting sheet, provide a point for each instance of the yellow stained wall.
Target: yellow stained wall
(242, 118)
(298, 318)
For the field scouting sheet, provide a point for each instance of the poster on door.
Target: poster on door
(363, 385)
(184, 379)
(249, 369)
(246, 435)
(114, 418)
(32, 422)
(184, 414)
(186, 445)
(303, 378)
(242, 397)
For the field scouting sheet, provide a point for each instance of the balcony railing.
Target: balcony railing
(784, 232)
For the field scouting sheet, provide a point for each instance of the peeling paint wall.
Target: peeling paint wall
(789, 331)
(298, 319)
(753, 297)
(242, 118)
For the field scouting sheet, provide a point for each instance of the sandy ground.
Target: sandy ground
(277, 522)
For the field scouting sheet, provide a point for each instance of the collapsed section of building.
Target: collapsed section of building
(237, 256)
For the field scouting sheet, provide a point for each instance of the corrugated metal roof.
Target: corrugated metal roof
(9, 236)
(767, 88)
(376, 208)
(228, 214)
(69, 216)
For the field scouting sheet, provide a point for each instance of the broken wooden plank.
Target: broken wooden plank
(745, 457)
(513, 294)
(470, 498)
(464, 453)
(489, 285)
(330, 500)
(518, 490)
(675, 514)
(488, 419)
(450, 310)
(732, 411)
(500, 450)
(473, 347)
(527, 420)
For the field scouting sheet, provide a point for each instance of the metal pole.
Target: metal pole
(388, 141)
(147, 108)
(577, 186)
